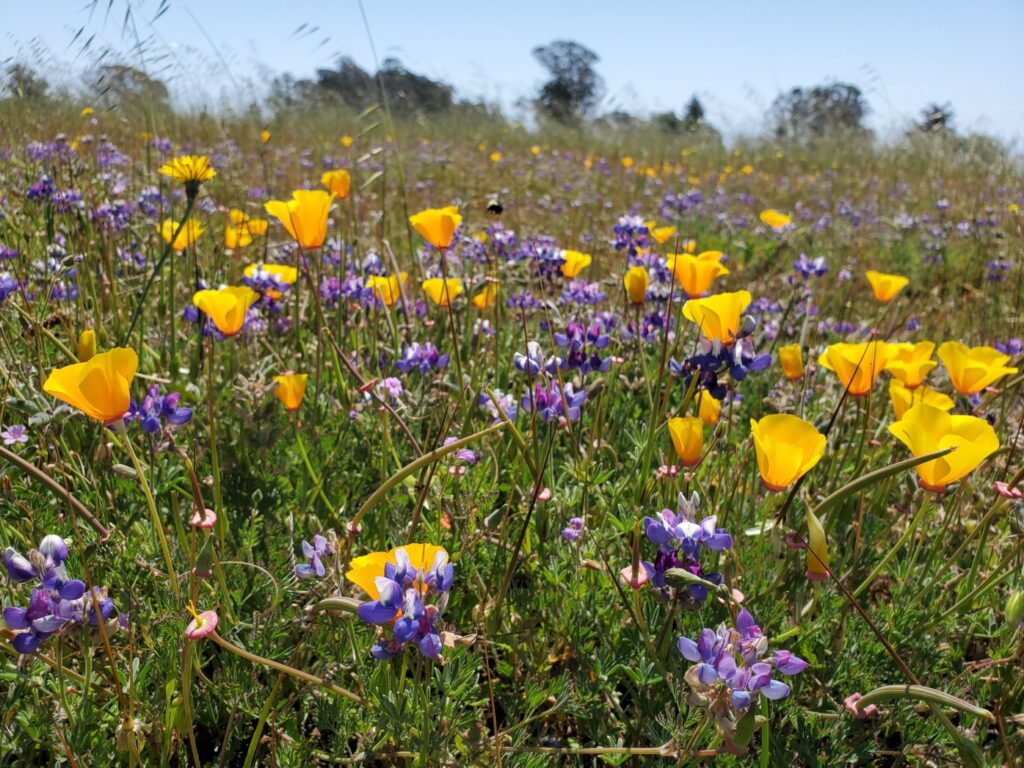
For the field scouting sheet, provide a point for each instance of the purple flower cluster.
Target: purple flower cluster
(576, 338)
(554, 401)
(404, 592)
(630, 234)
(315, 553)
(573, 531)
(422, 358)
(715, 360)
(57, 602)
(680, 539)
(808, 267)
(732, 669)
(156, 408)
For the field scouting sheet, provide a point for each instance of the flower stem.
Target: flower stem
(154, 515)
(284, 668)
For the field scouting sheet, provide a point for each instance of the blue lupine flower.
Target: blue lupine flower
(731, 669)
(411, 595)
(808, 267)
(553, 401)
(58, 601)
(422, 358)
(507, 403)
(157, 408)
(680, 539)
(315, 554)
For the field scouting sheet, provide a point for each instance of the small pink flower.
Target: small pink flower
(850, 703)
(635, 580)
(544, 495)
(1007, 492)
(203, 624)
(205, 519)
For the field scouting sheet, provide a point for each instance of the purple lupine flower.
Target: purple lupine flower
(532, 363)
(680, 538)
(507, 403)
(573, 530)
(56, 603)
(414, 598)
(315, 553)
(16, 433)
(808, 267)
(553, 401)
(421, 357)
(156, 409)
(731, 668)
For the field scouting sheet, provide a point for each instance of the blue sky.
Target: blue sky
(734, 54)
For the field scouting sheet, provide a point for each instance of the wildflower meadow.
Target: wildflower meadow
(375, 441)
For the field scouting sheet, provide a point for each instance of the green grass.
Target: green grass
(563, 655)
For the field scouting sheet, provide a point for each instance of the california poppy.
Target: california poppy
(437, 225)
(787, 448)
(925, 429)
(442, 292)
(226, 307)
(719, 315)
(290, 389)
(304, 216)
(99, 387)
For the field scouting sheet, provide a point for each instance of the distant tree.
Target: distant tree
(936, 118)
(21, 82)
(811, 113)
(116, 85)
(667, 122)
(693, 113)
(407, 91)
(574, 87)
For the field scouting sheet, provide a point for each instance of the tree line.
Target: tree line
(570, 96)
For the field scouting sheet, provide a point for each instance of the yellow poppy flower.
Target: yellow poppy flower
(660, 235)
(265, 136)
(910, 363)
(186, 238)
(535, 150)
(925, 429)
(687, 435)
(346, 141)
(775, 219)
(696, 273)
(226, 307)
(971, 369)
(363, 570)
(636, 280)
(486, 296)
(387, 288)
(99, 387)
(442, 292)
(241, 230)
(189, 169)
(627, 162)
(86, 111)
(86, 345)
(718, 316)
(885, 286)
(574, 262)
(283, 273)
(792, 361)
(903, 399)
(338, 183)
(787, 448)
(437, 225)
(856, 365)
(304, 216)
(290, 389)
(708, 408)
